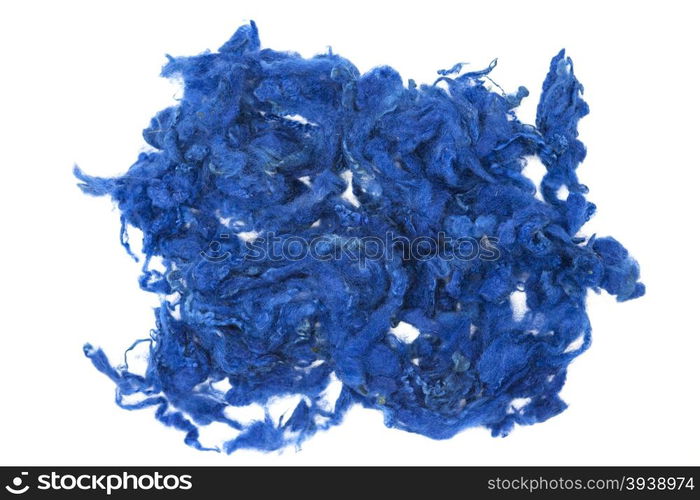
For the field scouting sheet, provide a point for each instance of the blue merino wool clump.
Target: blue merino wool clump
(269, 196)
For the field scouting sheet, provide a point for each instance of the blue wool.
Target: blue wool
(258, 155)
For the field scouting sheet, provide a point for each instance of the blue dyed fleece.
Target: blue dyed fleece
(235, 158)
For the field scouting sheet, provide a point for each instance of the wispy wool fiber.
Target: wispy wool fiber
(266, 142)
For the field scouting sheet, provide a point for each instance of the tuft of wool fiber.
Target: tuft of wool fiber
(306, 213)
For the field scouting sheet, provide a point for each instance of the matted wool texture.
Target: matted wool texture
(269, 195)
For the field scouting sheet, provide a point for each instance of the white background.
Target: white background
(79, 81)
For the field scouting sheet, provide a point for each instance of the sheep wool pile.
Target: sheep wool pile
(301, 213)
